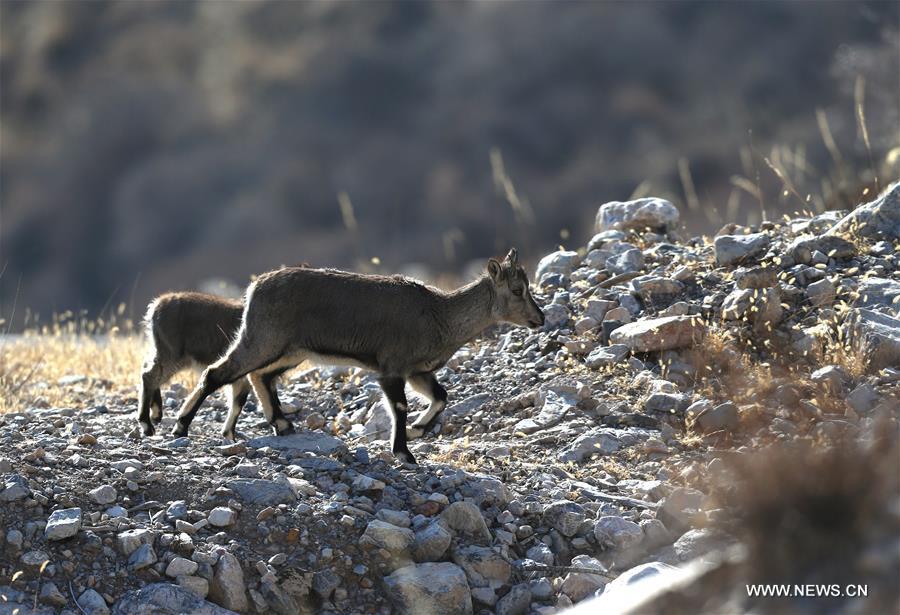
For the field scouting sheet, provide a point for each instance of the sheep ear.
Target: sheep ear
(513, 257)
(495, 270)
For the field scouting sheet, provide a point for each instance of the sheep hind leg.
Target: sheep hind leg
(267, 393)
(427, 385)
(240, 391)
(151, 378)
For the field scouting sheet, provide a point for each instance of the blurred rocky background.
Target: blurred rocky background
(149, 146)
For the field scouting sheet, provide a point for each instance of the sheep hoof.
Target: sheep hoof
(179, 430)
(405, 457)
(285, 430)
(147, 428)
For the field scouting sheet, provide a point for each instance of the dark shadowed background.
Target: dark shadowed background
(149, 146)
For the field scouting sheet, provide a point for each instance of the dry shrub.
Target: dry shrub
(818, 513)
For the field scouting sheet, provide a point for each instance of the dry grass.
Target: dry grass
(107, 353)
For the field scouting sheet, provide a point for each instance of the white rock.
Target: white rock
(222, 516)
(653, 213)
(63, 524)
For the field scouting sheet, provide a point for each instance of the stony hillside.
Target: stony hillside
(695, 415)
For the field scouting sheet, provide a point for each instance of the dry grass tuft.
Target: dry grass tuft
(107, 353)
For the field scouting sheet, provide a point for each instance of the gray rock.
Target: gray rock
(656, 288)
(755, 277)
(15, 488)
(541, 554)
(142, 557)
(655, 334)
(629, 261)
(679, 507)
(361, 482)
(562, 262)
(516, 602)
(695, 543)
(465, 518)
(733, 249)
(165, 599)
(430, 589)
(51, 595)
(555, 404)
(196, 585)
(724, 417)
(759, 307)
(618, 532)
(564, 516)
(863, 398)
(92, 603)
(555, 316)
(821, 293)
(655, 533)
(484, 566)
(597, 308)
(261, 491)
(397, 541)
(63, 524)
(103, 495)
(14, 539)
(15, 602)
(432, 542)
(227, 587)
(607, 355)
(802, 249)
(879, 219)
(325, 582)
(180, 566)
(177, 510)
(130, 540)
(599, 240)
(399, 518)
(667, 402)
(302, 441)
(647, 213)
(878, 293)
(831, 378)
(579, 585)
(600, 440)
(876, 337)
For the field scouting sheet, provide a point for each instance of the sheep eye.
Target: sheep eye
(517, 292)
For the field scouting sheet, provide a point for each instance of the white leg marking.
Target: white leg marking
(233, 413)
(262, 394)
(435, 408)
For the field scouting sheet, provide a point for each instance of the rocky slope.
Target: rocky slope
(572, 464)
